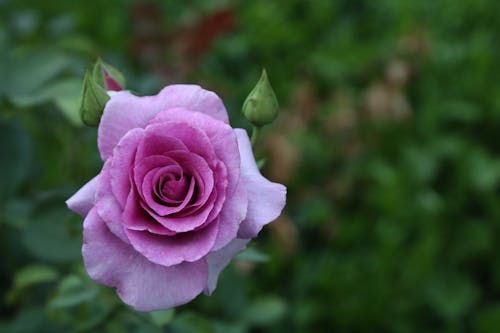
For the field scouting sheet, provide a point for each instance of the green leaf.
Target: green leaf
(452, 296)
(30, 73)
(34, 274)
(64, 93)
(30, 276)
(68, 99)
(72, 291)
(49, 235)
(252, 255)
(16, 150)
(162, 318)
(15, 212)
(222, 327)
(488, 320)
(27, 320)
(189, 322)
(265, 311)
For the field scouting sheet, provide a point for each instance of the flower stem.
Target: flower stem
(255, 135)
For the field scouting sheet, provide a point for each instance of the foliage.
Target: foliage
(386, 141)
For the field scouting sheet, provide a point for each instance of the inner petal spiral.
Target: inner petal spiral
(174, 188)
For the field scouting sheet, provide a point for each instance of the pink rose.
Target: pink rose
(179, 195)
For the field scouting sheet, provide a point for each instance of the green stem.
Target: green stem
(255, 135)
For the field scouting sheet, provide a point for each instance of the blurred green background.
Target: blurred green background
(387, 141)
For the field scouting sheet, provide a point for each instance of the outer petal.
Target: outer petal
(231, 216)
(115, 184)
(218, 260)
(194, 98)
(107, 206)
(122, 164)
(83, 200)
(265, 199)
(125, 111)
(122, 113)
(143, 285)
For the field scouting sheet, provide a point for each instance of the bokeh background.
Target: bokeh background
(388, 141)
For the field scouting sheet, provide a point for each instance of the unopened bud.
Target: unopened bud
(261, 106)
(107, 76)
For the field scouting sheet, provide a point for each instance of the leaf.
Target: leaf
(452, 296)
(189, 322)
(64, 93)
(30, 276)
(488, 320)
(68, 99)
(16, 150)
(34, 274)
(72, 291)
(15, 212)
(29, 319)
(30, 73)
(49, 237)
(162, 318)
(222, 327)
(252, 255)
(265, 311)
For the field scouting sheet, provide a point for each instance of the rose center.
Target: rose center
(175, 188)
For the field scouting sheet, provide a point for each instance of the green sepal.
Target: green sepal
(98, 74)
(93, 100)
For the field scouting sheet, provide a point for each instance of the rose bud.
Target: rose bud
(107, 76)
(178, 196)
(261, 106)
(96, 90)
(93, 100)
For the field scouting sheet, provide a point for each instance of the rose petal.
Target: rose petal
(121, 164)
(192, 139)
(107, 206)
(157, 143)
(139, 283)
(152, 163)
(83, 200)
(218, 260)
(193, 98)
(191, 222)
(220, 174)
(122, 113)
(172, 250)
(160, 177)
(173, 218)
(192, 165)
(222, 138)
(125, 111)
(143, 175)
(265, 199)
(231, 216)
(135, 217)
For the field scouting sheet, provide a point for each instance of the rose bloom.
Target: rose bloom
(178, 196)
